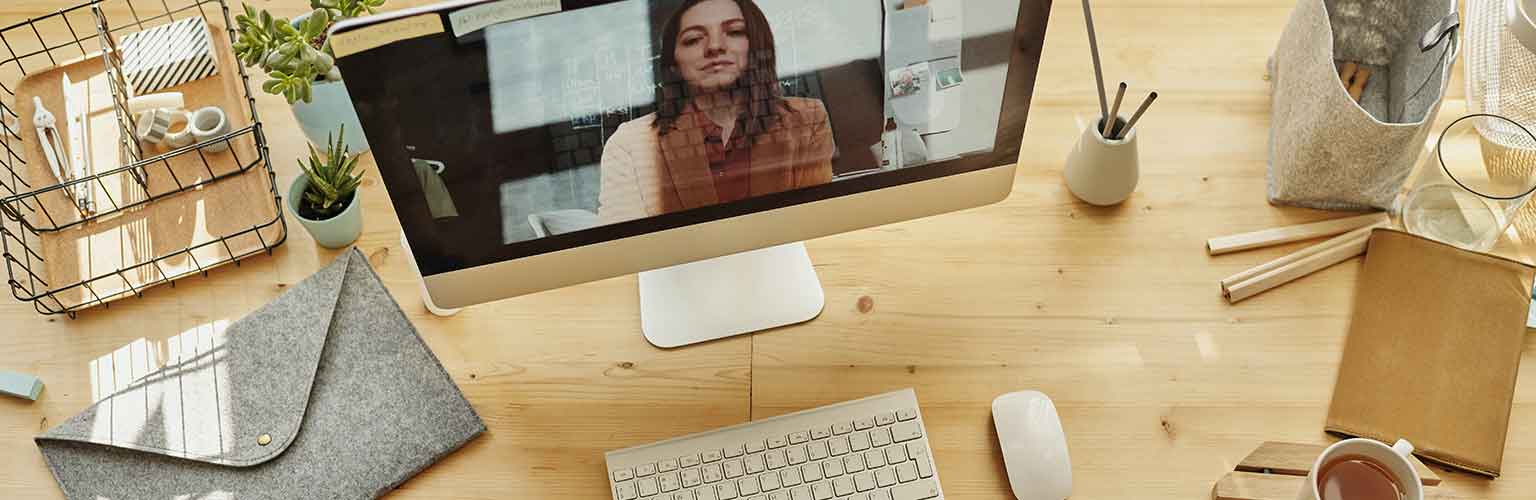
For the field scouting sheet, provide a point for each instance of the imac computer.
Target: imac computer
(534, 144)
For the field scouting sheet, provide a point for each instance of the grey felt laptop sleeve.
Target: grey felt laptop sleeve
(327, 392)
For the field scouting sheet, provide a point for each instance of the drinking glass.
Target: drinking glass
(1483, 169)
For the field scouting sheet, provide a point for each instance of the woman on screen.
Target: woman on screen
(722, 130)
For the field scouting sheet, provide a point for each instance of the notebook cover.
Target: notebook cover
(1433, 350)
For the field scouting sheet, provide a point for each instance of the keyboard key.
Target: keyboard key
(747, 486)
(921, 490)
(755, 464)
(895, 455)
(626, 491)
(683, 495)
(917, 449)
(692, 478)
(669, 482)
(727, 491)
(886, 418)
(796, 455)
(885, 477)
(755, 446)
(713, 456)
(736, 451)
(843, 485)
(646, 470)
(878, 495)
(689, 460)
(648, 487)
(790, 477)
(667, 465)
(880, 437)
(622, 475)
(842, 428)
(832, 468)
(874, 459)
(707, 493)
(770, 482)
(839, 446)
(925, 466)
(864, 481)
(853, 463)
(779, 495)
(822, 491)
(859, 441)
(776, 459)
(863, 424)
(906, 414)
(801, 494)
(906, 431)
(734, 469)
(818, 450)
(712, 473)
(906, 472)
(799, 437)
(821, 433)
(777, 442)
(811, 473)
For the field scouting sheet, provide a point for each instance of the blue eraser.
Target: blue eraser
(20, 385)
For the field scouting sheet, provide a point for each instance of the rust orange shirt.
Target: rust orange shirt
(730, 162)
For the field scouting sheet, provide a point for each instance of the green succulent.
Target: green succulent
(294, 57)
(332, 178)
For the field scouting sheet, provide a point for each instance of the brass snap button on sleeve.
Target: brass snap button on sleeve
(264, 439)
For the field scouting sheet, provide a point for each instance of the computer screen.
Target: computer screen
(601, 120)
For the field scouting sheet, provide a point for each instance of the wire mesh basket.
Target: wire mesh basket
(1501, 74)
(144, 190)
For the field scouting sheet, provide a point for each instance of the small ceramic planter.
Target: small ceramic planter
(335, 232)
(329, 108)
(1100, 171)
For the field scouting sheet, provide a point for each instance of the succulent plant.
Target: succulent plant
(332, 178)
(295, 55)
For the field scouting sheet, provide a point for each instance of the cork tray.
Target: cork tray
(1277, 471)
(183, 228)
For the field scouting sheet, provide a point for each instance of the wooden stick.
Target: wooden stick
(1137, 117)
(1098, 68)
(1347, 73)
(1114, 112)
(1301, 254)
(1291, 272)
(1281, 235)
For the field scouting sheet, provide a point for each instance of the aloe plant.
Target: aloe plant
(295, 56)
(332, 178)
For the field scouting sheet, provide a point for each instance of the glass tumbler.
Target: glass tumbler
(1483, 169)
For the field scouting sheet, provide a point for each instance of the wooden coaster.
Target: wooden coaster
(1277, 471)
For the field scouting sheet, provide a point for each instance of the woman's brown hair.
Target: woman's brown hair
(759, 83)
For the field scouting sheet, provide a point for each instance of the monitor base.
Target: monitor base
(729, 296)
(426, 299)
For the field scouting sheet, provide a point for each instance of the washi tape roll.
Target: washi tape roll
(153, 126)
(207, 124)
(179, 134)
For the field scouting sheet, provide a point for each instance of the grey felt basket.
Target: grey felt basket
(1326, 150)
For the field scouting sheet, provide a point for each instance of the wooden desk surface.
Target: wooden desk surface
(1114, 312)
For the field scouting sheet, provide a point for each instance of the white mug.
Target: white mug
(1394, 458)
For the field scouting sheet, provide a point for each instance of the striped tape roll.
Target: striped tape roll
(153, 126)
(169, 55)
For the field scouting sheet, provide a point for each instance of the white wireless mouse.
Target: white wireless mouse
(1034, 447)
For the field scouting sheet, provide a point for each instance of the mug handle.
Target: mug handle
(1403, 448)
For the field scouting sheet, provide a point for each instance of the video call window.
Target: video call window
(576, 120)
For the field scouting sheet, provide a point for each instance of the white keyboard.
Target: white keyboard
(871, 449)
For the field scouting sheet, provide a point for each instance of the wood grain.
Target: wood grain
(1296, 459)
(1161, 386)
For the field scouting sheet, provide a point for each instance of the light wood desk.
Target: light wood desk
(1114, 312)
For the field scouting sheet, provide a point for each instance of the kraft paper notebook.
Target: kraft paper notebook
(1433, 350)
(327, 392)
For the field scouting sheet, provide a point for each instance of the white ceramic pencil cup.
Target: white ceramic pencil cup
(1101, 171)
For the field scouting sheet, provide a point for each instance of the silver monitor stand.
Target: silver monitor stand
(731, 295)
